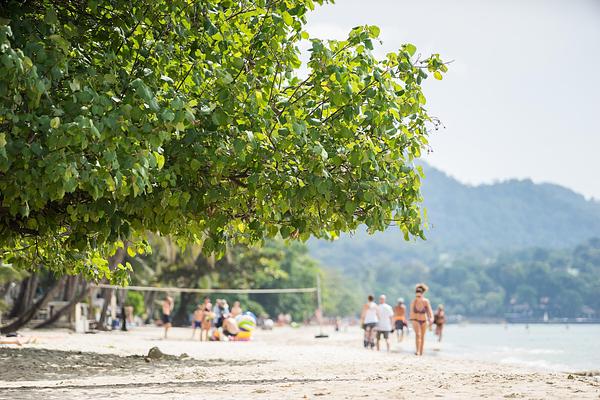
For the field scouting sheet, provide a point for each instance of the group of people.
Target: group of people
(381, 320)
(215, 322)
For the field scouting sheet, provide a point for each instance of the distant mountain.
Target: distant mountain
(482, 219)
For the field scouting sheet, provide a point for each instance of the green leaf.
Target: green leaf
(55, 122)
(437, 75)
(411, 49)
(195, 165)
(374, 31)
(219, 117)
(131, 251)
(287, 18)
(350, 206)
(50, 17)
(160, 159)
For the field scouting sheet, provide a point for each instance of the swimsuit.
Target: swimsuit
(419, 311)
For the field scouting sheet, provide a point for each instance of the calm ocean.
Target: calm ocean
(549, 347)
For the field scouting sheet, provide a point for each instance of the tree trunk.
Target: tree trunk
(77, 297)
(106, 295)
(123, 318)
(149, 305)
(26, 316)
(25, 297)
(181, 316)
(31, 290)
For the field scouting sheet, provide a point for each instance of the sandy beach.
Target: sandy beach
(285, 362)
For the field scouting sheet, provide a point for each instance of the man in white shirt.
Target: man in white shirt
(386, 321)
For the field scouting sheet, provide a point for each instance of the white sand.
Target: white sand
(285, 363)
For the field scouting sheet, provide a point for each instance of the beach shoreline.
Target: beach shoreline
(284, 362)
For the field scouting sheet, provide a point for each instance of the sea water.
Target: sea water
(554, 347)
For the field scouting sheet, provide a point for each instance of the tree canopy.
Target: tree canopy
(194, 119)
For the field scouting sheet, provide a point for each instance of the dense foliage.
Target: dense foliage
(189, 118)
(526, 283)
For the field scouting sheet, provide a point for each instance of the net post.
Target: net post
(320, 309)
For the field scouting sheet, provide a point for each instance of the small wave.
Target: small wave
(538, 364)
(522, 350)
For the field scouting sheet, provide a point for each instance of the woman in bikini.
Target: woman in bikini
(207, 317)
(421, 315)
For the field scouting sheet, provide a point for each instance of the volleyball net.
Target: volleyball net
(206, 291)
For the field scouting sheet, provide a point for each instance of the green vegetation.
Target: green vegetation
(189, 118)
(563, 283)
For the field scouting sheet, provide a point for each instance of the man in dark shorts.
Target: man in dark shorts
(384, 324)
(400, 319)
(368, 320)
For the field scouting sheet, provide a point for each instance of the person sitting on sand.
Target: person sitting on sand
(236, 309)
(197, 320)
(220, 310)
(400, 319)
(420, 315)
(167, 309)
(368, 319)
(230, 327)
(439, 319)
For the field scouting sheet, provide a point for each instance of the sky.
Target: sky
(521, 98)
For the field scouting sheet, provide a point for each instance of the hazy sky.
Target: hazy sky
(522, 97)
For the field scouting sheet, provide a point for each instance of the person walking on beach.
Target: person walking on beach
(368, 320)
(385, 323)
(420, 315)
(400, 320)
(167, 309)
(439, 319)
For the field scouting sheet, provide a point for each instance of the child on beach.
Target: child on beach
(197, 320)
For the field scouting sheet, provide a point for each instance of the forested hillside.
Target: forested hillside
(485, 219)
(525, 283)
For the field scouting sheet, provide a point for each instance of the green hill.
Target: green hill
(483, 220)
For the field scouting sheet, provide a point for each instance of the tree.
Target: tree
(190, 118)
